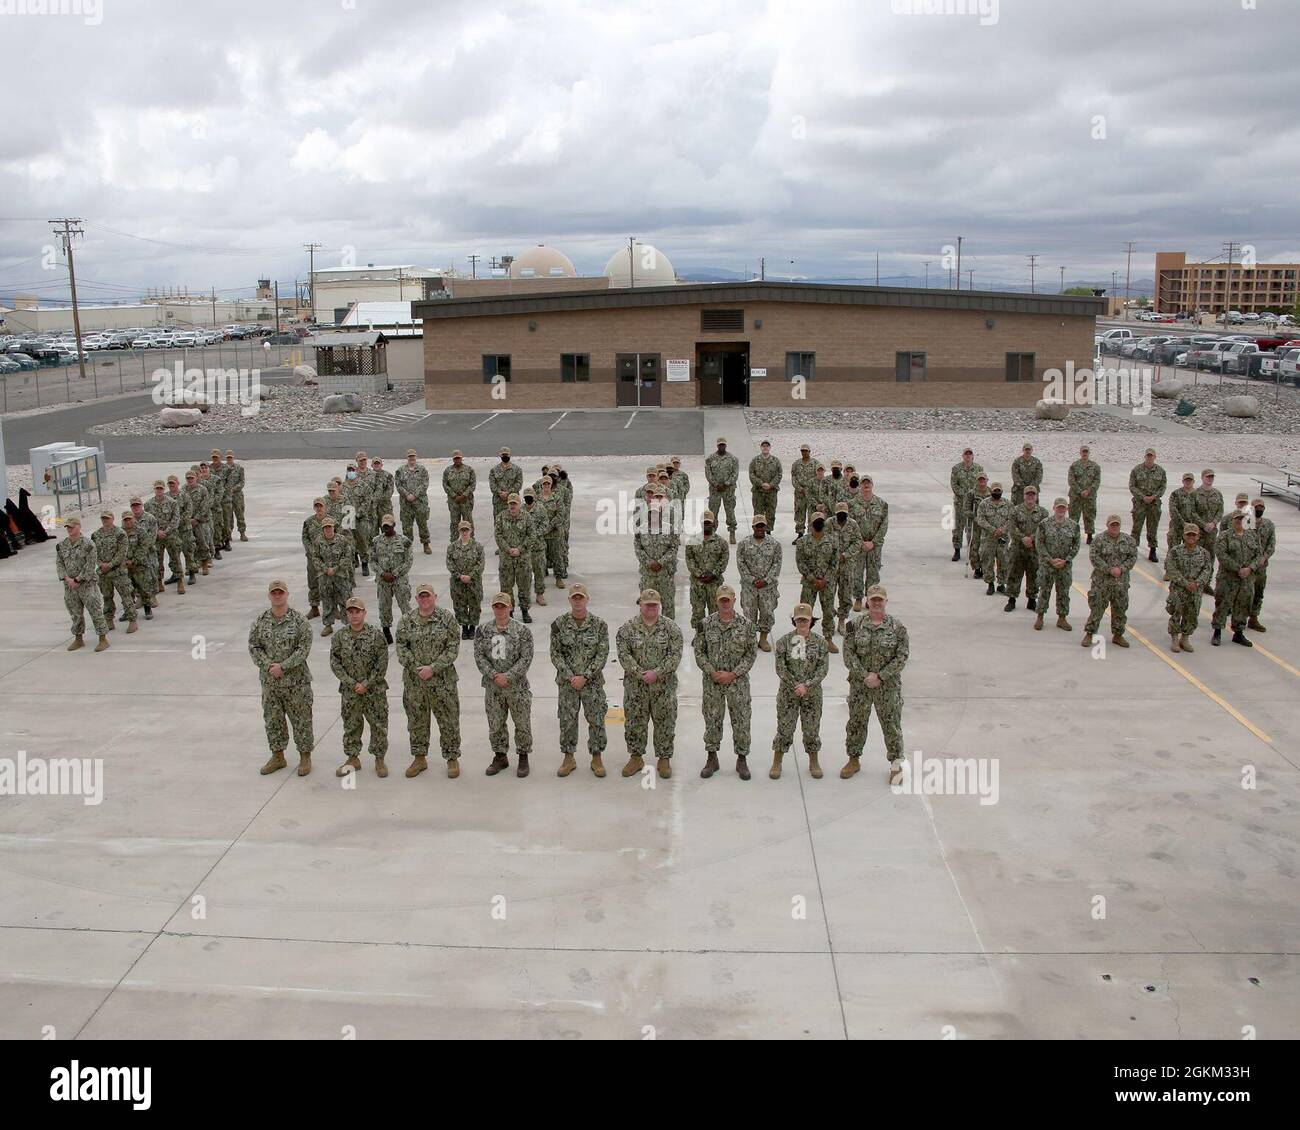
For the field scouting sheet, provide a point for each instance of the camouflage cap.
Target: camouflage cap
(804, 447)
(106, 514)
(216, 451)
(676, 460)
(1191, 528)
(194, 467)
(72, 520)
(765, 443)
(1060, 502)
(159, 483)
(530, 493)
(841, 508)
(877, 592)
(334, 482)
(355, 602)
(995, 485)
(360, 455)
(328, 521)
(968, 451)
(128, 514)
(867, 479)
(802, 612)
(759, 520)
(387, 520)
(464, 525)
(504, 451)
(513, 498)
(1028, 447)
(136, 500)
(412, 451)
(1243, 497)
(1031, 489)
(191, 474)
(727, 591)
(577, 590)
(1238, 516)
(377, 461)
(318, 502)
(849, 467)
(707, 516)
(1114, 520)
(230, 454)
(283, 586)
(1149, 451)
(652, 471)
(1207, 473)
(173, 479)
(1085, 447)
(836, 463)
(649, 596)
(721, 439)
(503, 598)
(425, 589)
(1257, 502)
(1188, 477)
(982, 475)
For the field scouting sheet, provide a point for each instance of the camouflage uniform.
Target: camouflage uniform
(807, 661)
(537, 521)
(185, 529)
(1056, 538)
(286, 701)
(515, 572)
(1026, 471)
(200, 504)
(415, 480)
(1184, 607)
(356, 514)
(973, 500)
(819, 497)
(460, 480)
(1022, 560)
(111, 548)
(311, 534)
(228, 476)
(765, 469)
(334, 553)
(430, 643)
(237, 472)
(1105, 590)
(759, 561)
(581, 648)
(802, 474)
(142, 560)
(726, 646)
(961, 479)
(503, 477)
(836, 489)
(873, 524)
(391, 555)
(707, 557)
(79, 561)
(848, 563)
(1207, 511)
(641, 649)
(658, 546)
(1181, 512)
(991, 515)
(1084, 476)
(721, 472)
(467, 600)
(884, 650)
(553, 527)
(509, 651)
(1234, 595)
(1144, 480)
(362, 657)
(817, 559)
(215, 484)
(1266, 533)
(381, 496)
(166, 514)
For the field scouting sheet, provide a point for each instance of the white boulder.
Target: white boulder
(1242, 407)
(187, 398)
(341, 402)
(1051, 410)
(179, 417)
(1169, 389)
(304, 375)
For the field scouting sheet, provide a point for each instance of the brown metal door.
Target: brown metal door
(651, 381)
(625, 370)
(710, 369)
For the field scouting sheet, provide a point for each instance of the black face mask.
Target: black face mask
(760, 533)
(997, 494)
(564, 474)
(722, 451)
(505, 459)
(841, 518)
(817, 525)
(835, 474)
(708, 529)
(854, 483)
(1259, 512)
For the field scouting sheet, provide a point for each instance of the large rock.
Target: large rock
(341, 402)
(1169, 389)
(1051, 410)
(304, 375)
(186, 398)
(1242, 407)
(179, 417)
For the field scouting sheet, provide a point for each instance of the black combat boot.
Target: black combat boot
(1151, 554)
(1010, 605)
(365, 568)
(1217, 638)
(1238, 636)
(990, 590)
(978, 572)
(388, 635)
(1089, 542)
(956, 554)
(148, 612)
(527, 619)
(1032, 604)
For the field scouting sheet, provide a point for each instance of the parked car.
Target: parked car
(8, 366)
(1198, 356)
(1112, 336)
(1288, 366)
(284, 339)
(119, 341)
(1232, 359)
(21, 360)
(1213, 360)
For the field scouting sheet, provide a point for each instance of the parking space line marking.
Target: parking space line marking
(562, 415)
(487, 421)
(629, 421)
(1213, 696)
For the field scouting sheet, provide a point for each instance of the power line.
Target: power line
(70, 228)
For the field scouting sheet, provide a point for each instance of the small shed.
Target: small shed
(351, 362)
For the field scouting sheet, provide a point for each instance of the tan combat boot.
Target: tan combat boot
(243, 536)
(453, 767)
(763, 645)
(851, 768)
(1118, 640)
(204, 568)
(428, 548)
(664, 767)
(814, 768)
(742, 767)
(103, 644)
(133, 626)
(180, 586)
(314, 612)
(1038, 622)
(328, 630)
(597, 766)
(1174, 644)
(831, 645)
(381, 766)
(634, 766)
(418, 765)
(559, 582)
(1184, 644)
(1254, 625)
(711, 765)
(352, 763)
(896, 771)
(276, 761)
(567, 766)
(775, 771)
(1087, 640)
(540, 598)
(304, 764)
(1064, 624)
(857, 604)
(731, 537)
(77, 643)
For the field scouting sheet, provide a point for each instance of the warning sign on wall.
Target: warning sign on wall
(678, 370)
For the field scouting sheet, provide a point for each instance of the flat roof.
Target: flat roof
(826, 294)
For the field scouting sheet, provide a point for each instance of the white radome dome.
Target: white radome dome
(542, 262)
(652, 267)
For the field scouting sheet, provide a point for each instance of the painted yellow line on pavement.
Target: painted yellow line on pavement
(1213, 696)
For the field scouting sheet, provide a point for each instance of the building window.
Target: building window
(1020, 367)
(722, 321)
(800, 365)
(496, 365)
(575, 367)
(909, 366)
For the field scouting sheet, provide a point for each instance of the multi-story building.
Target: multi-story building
(1214, 288)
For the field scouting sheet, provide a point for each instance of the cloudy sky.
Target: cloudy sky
(203, 143)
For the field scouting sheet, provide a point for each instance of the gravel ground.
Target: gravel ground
(968, 420)
(287, 410)
(1280, 416)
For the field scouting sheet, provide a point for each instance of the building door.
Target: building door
(709, 367)
(724, 373)
(638, 380)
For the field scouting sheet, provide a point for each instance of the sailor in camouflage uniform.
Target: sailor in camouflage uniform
(1146, 485)
(216, 484)
(765, 481)
(459, 481)
(77, 566)
(279, 643)
(1084, 481)
(650, 651)
(871, 513)
(1207, 511)
(1022, 552)
(579, 652)
(200, 511)
(721, 470)
(427, 646)
(848, 540)
(706, 562)
(876, 650)
(412, 482)
(977, 496)
(1181, 512)
(802, 473)
(311, 534)
(656, 551)
(465, 570)
(1057, 545)
(504, 480)
(166, 513)
(758, 560)
(1113, 556)
(184, 531)
(391, 553)
(802, 663)
(237, 476)
(725, 650)
(553, 526)
(111, 548)
(537, 521)
(993, 517)
(1266, 534)
(961, 479)
(381, 492)
(514, 531)
(358, 522)
(1238, 556)
(1189, 569)
(816, 556)
(139, 565)
(147, 523)
(335, 557)
(503, 652)
(359, 660)
(1026, 471)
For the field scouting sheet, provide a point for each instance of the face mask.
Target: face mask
(708, 528)
(352, 474)
(836, 473)
(818, 525)
(841, 518)
(997, 494)
(389, 531)
(854, 483)
(505, 459)
(1259, 512)
(760, 534)
(564, 474)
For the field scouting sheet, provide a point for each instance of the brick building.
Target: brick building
(698, 344)
(1214, 288)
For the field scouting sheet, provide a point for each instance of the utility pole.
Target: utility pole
(631, 263)
(970, 279)
(473, 265)
(950, 278)
(927, 274)
(1230, 249)
(1062, 280)
(877, 268)
(214, 307)
(959, 238)
(277, 306)
(70, 228)
(762, 269)
(1032, 260)
(1128, 273)
(311, 249)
